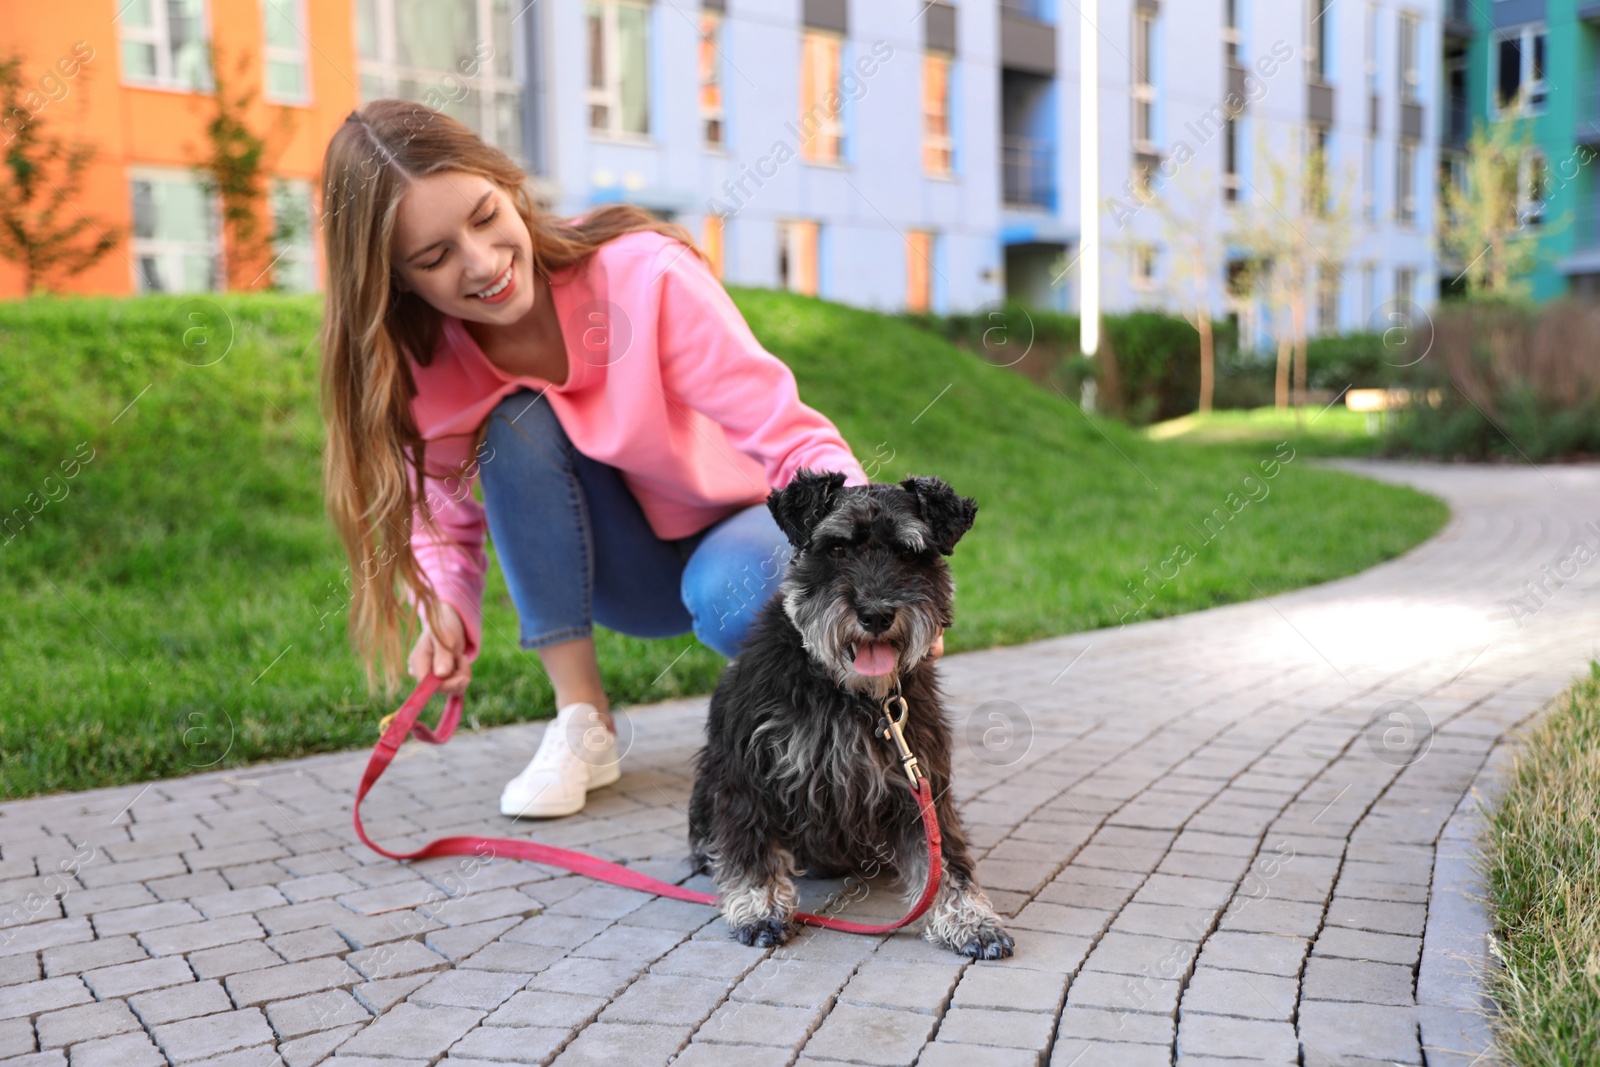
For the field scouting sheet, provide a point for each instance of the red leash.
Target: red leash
(403, 723)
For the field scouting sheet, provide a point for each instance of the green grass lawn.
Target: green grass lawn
(1332, 430)
(178, 603)
(1542, 866)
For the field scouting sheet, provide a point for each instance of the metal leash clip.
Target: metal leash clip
(383, 723)
(890, 729)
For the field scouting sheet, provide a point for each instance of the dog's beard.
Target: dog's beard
(834, 638)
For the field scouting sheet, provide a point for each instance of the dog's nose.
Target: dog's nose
(875, 622)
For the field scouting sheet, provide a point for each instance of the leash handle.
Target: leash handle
(403, 723)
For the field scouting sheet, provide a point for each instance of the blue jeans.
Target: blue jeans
(576, 548)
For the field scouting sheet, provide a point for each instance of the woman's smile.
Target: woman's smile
(501, 288)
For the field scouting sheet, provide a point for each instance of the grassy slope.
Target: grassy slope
(1542, 866)
(182, 606)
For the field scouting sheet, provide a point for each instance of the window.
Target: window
(164, 43)
(711, 242)
(1519, 74)
(1405, 283)
(1371, 62)
(797, 256)
(1144, 90)
(1405, 183)
(936, 113)
(1369, 180)
(175, 233)
(1410, 78)
(456, 56)
(1531, 186)
(1369, 292)
(288, 72)
(821, 102)
(1230, 32)
(1230, 161)
(619, 75)
(1144, 267)
(295, 268)
(711, 115)
(1318, 32)
(919, 270)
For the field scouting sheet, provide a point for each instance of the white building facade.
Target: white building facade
(899, 154)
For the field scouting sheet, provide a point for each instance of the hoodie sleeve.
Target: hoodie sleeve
(712, 361)
(453, 559)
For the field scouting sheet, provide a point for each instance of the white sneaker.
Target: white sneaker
(577, 754)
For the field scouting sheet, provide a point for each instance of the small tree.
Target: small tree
(1480, 222)
(1198, 250)
(1299, 231)
(236, 164)
(41, 226)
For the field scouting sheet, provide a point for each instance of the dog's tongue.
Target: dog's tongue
(874, 657)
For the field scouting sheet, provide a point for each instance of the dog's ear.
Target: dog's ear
(799, 506)
(947, 515)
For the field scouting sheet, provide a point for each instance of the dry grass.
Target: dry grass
(1542, 867)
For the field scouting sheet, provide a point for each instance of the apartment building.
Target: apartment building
(1546, 53)
(893, 154)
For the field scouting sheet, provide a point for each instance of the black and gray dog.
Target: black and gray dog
(793, 778)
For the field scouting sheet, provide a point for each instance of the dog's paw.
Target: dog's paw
(764, 934)
(989, 943)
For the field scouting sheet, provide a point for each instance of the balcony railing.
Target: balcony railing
(1026, 172)
(1586, 225)
(1032, 9)
(1588, 122)
(1457, 120)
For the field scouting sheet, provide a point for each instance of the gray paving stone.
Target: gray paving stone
(1222, 1036)
(188, 1040)
(1335, 1034)
(996, 987)
(123, 1050)
(607, 1044)
(870, 1035)
(52, 1058)
(700, 1055)
(291, 980)
(943, 1054)
(1361, 981)
(16, 1038)
(50, 994)
(319, 1011)
(1255, 996)
(379, 997)
(544, 1008)
(196, 936)
(1104, 1026)
(1124, 992)
(893, 984)
(470, 989)
(667, 998)
(1273, 954)
(86, 1022)
(231, 959)
(742, 1022)
(413, 1029)
(145, 918)
(181, 1002)
(1384, 917)
(799, 983)
(987, 1026)
(314, 1048)
(395, 959)
(1087, 1053)
(1351, 944)
(511, 1044)
(598, 978)
(308, 944)
(90, 955)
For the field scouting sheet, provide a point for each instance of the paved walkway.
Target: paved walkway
(1215, 838)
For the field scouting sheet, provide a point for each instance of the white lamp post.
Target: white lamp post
(1089, 176)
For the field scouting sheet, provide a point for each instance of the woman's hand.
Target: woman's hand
(442, 654)
(938, 645)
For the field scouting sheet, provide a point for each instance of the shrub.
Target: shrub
(1514, 380)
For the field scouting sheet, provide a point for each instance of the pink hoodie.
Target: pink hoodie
(665, 382)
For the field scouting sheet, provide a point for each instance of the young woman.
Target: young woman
(624, 422)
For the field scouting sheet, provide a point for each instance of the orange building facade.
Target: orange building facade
(130, 77)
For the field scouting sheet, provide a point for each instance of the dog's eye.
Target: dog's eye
(839, 551)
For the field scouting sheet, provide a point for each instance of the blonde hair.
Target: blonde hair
(369, 323)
